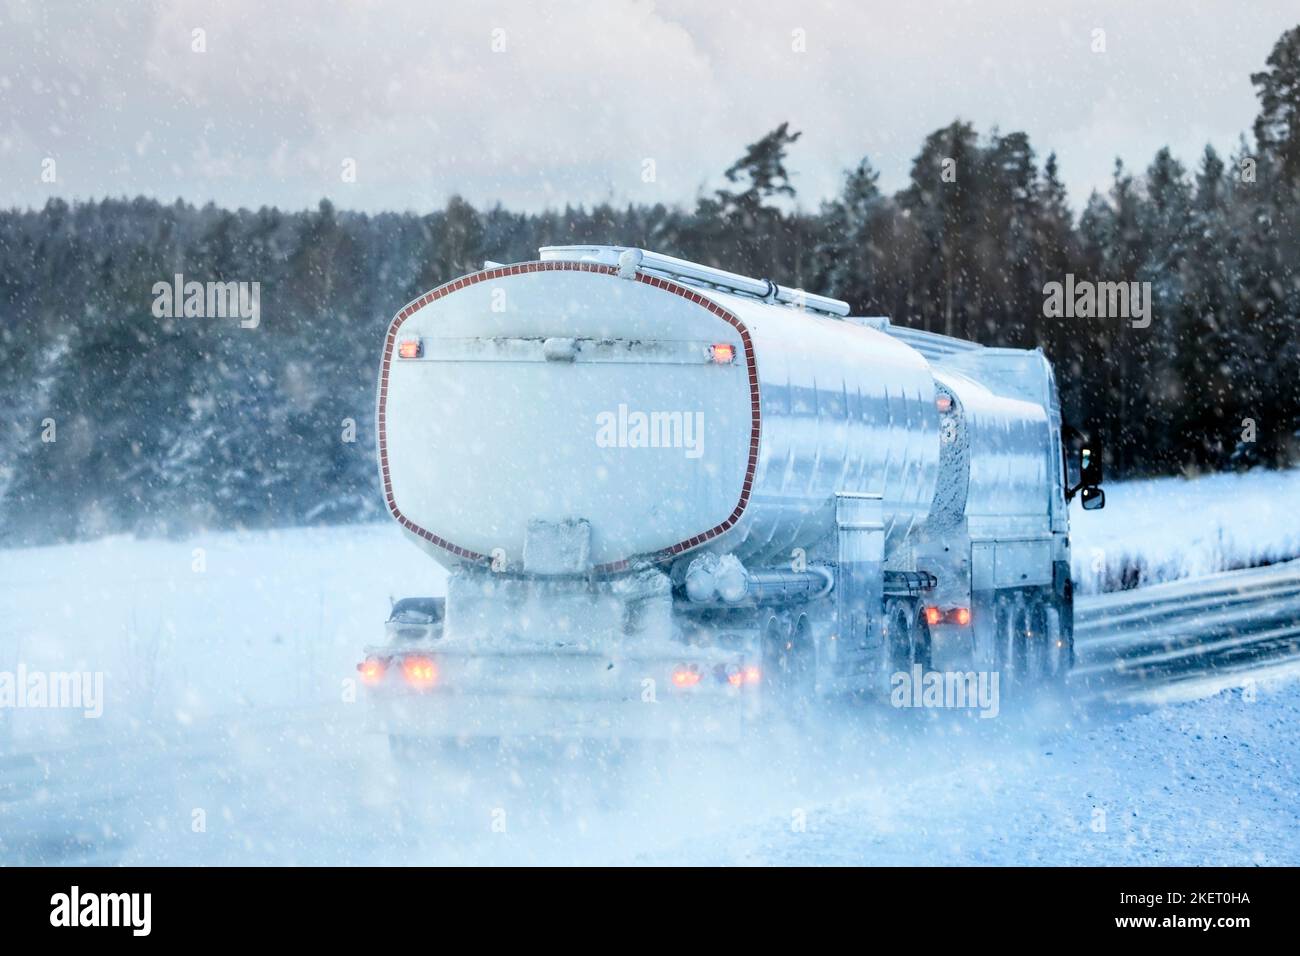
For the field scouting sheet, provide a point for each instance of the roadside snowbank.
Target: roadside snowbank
(1163, 529)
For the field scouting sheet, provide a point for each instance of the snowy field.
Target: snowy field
(1170, 528)
(215, 625)
(227, 661)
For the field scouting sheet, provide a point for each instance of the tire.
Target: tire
(1013, 649)
(775, 655)
(789, 668)
(1040, 645)
(1035, 650)
(906, 639)
(1060, 648)
(896, 641)
(803, 662)
(1066, 613)
(920, 642)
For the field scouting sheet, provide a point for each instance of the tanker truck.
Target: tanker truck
(675, 502)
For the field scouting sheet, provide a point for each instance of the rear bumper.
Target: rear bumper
(459, 716)
(565, 697)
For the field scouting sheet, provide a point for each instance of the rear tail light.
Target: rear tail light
(737, 676)
(410, 349)
(722, 353)
(954, 615)
(372, 670)
(419, 672)
(684, 676)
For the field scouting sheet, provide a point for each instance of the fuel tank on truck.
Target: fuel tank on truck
(656, 416)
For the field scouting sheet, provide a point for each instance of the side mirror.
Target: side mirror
(1092, 498)
(1090, 474)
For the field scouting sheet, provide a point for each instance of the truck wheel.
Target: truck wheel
(1038, 650)
(788, 668)
(907, 639)
(1059, 649)
(920, 642)
(1066, 614)
(1013, 651)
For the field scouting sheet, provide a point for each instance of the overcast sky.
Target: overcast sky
(578, 95)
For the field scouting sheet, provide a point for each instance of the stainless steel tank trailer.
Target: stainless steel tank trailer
(673, 500)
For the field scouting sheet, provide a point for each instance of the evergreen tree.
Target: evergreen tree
(1277, 128)
(164, 425)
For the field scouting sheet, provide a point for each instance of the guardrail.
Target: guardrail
(1217, 625)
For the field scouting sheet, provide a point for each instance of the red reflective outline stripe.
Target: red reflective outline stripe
(487, 275)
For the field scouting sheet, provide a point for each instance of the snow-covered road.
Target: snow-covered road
(1207, 781)
(1214, 781)
(226, 737)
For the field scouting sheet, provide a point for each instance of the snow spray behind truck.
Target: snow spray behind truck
(674, 500)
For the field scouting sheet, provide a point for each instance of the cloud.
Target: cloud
(541, 104)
